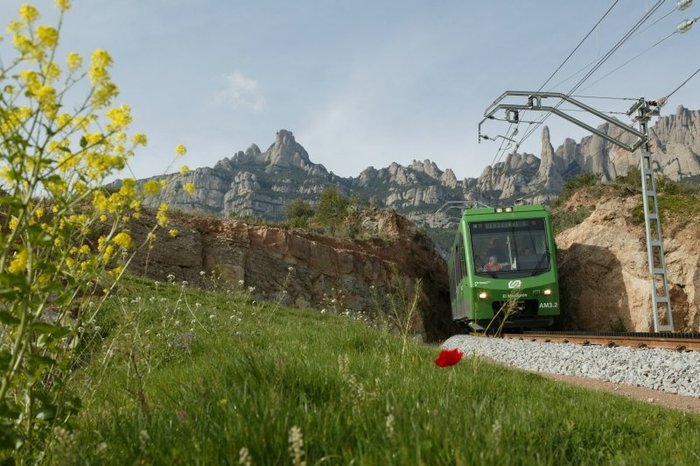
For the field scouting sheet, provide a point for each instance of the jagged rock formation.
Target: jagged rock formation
(253, 183)
(303, 269)
(261, 184)
(604, 272)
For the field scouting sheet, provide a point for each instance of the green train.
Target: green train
(503, 269)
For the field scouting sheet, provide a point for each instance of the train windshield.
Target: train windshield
(510, 248)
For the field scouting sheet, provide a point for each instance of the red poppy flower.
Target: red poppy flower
(448, 357)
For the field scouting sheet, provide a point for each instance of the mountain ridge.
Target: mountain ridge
(261, 183)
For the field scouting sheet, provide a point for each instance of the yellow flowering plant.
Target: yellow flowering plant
(64, 239)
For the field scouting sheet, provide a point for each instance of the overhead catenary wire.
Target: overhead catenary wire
(683, 83)
(579, 44)
(597, 66)
(500, 151)
(630, 60)
(587, 65)
(578, 96)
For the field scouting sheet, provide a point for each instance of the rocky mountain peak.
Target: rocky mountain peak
(259, 183)
(549, 173)
(285, 153)
(428, 167)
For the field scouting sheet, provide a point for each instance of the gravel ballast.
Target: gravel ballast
(659, 369)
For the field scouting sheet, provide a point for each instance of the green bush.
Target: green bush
(298, 213)
(332, 208)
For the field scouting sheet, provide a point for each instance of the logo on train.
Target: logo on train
(515, 284)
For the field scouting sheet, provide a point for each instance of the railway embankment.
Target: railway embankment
(603, 266)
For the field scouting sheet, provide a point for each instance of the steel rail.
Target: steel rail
(682, 342)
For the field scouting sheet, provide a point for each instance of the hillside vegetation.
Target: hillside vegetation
(678, 201)
(176, 375)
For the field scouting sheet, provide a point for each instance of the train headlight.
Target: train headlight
(483, 295)
(547, 291)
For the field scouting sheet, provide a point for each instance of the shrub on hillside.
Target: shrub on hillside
(332, 208)
(573, 185)
(298, 213)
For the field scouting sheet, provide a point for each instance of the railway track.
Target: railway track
(674, 341)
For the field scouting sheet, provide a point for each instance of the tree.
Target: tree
(332, 208)
(298, 213)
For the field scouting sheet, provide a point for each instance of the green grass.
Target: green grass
(253, 371)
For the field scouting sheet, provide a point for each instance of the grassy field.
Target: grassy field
(177, 375)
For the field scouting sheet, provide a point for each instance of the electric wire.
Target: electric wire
(555, 86)
(578, 96)
(494, 161)
(607, 12)
(683, 83)
(579, 44)
(597, 66)
(629, 61)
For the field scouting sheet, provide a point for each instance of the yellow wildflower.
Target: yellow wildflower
(52, 71)
(189, 188)
(128, 188)
(63, 4)
(173, 232)
(63, 119)
(119, 117)
(108, 253)
(28, 12)
(74, 61)
(184, 169)
(68, 161)
(161, 215)
(139, 139)
(100, 60)
(14, 26)
(19, 262)
(180, 150)
(122, 239)
(151, 188)
(24, 44)
(48, 36)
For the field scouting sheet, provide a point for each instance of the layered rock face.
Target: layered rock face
(306, 270)
(604, 271)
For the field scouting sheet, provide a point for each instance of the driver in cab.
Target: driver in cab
(492, 265)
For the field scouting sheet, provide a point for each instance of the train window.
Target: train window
(509, 247)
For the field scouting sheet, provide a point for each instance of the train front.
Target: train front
(513, 272)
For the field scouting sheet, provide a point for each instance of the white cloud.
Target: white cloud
(241, 92)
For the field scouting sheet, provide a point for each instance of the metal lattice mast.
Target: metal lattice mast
(661, 302)
(657, 265)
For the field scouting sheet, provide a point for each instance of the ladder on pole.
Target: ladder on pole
(661, 301)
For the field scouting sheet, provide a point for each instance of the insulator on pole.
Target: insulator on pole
(685, 26)
(683, 4)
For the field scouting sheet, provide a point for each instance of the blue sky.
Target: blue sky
(364, 83)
